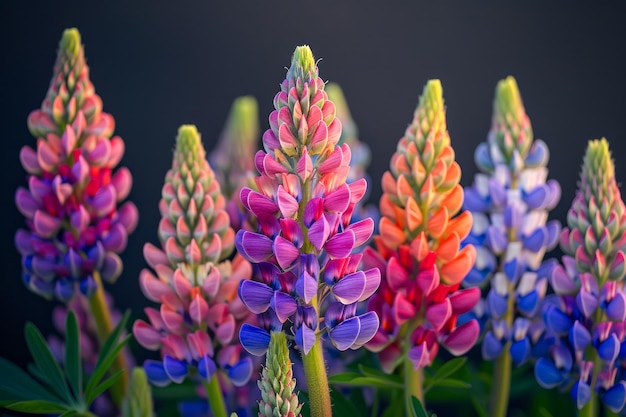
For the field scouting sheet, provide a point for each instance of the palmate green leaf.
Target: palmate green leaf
(73, 363)
(36, 407)
(103, 367)
(105, 385)
(444, 372)
(111, 347)
(417, 409)
(50, 369)
(15, 384)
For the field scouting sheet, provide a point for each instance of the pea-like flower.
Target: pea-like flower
(197, 324)
(74, 225)
(586, 317)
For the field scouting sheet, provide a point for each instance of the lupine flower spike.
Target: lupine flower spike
(197, 324)
(418, 250)
(510, 200)
(278, 396)
(233, 159)
(587, 316)
(75, 228)
(310, 278)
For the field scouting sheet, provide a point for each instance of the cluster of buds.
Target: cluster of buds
(510, 200)
(75, 228)
(586, 317)
(200, 315)
(277, 385)
(418, 249)
(233, 159)
(309, 279)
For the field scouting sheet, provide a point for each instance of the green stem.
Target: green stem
(317, 381)
(215, 397)
(104, 326)
(501, 381)
(501, 384)
(413, 385)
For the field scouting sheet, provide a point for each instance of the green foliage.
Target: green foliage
(54, 390)
(138, 400)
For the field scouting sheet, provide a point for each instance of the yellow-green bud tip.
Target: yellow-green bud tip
(70, 42)
(335, 94)
(303, 57)
(508, 99)
(598, 157)
(245, 109)
(432, 96)
(188, 138)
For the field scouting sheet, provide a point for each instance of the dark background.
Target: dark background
(160, 64)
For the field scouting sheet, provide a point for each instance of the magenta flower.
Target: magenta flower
(75, 227)
(196, 326)
(310, 281)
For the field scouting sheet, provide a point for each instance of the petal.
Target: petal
(547, 375)
(369, 326)
(340, 245)
(319, 232)
(255, 295)
(253, 246)
(286, 253)
(438, 314)
(350, 288)
(241, 372)
(156, 373)
(254, 339)
(462, 338)
(206, 367)
(283, 305)
(146, 335)
(306, 286)
(581, 391)
(491, 347)
(346, 333)
(419, 356)
(175, 369)
(305, 338)
(615, 397)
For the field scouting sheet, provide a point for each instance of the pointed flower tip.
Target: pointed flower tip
(303, 58)
(432, 96)
(335, 94)
(278, 347)
(508, 99)
(598, 157)
(70, 42)
(244, 118)
(188, 139)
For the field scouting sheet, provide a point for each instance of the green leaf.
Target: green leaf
(20, 386)
(451, 383)
(544, 413)
(102, 369)
(36, 407)
(110, 348)
(44, 360)
(138, 401)
(417, 409)
(73, 363)
(367, 371)
(443, 372)
(105, 385)
(353, 379)
(341, 405)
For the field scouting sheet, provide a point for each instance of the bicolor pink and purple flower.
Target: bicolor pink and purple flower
(309, 278)
(75, 227)
(200, 315)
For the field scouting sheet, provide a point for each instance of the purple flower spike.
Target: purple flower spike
(306, 240)
(197, 324)
(73, 203)
(589, 293)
